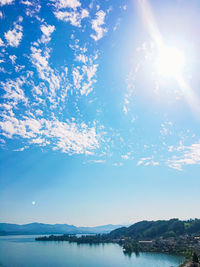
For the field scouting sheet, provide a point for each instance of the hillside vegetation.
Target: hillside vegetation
(155, 229)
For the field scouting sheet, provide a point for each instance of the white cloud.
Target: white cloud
(28, 113)
(77, 78)
(1, 15)
(190, 155)
(74, 13)
(38, 140)
(21, 149)
(86, 88)
(67, 3)
(74, 17)
(147, 161)
(118, 164)
(82, 58)
(14, 36)
(165, 128)
(12, 126)
(98, 161)
(32, 9)
(69, 137)
(90, 71)
(47, 30)
(83, 78)
(13, 58)
(142, 160)
(126, 157)
(18, 68)
(6, 2)
(13, 91)
(66, 71)
(27, 3)
(170, 148)
(2, 69)
(40, 59)
(73, 138)
(2, 141)
(130, 88)
(97, 25)
(117, 25)
(37, 90)
(155, 163)
(39, 112)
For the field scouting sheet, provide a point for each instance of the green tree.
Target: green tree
(195, 258)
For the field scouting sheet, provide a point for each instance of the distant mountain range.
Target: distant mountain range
(41, 228)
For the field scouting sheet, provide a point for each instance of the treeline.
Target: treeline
(86, 239)
(144, 230)
(155, 229)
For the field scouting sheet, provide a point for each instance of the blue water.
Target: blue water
(20, 251)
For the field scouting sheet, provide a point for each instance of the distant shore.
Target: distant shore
(184, 246)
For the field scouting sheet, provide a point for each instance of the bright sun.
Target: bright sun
(170, 62)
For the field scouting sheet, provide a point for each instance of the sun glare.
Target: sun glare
(170, 62)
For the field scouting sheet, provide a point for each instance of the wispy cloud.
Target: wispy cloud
(188, 155)
(34, 103)
(13, 91)
(84, 76)
(47, 30)
(1, 42)
(67, 4)
(74, 13)
(14, 36)
(146, 161)
(40, 58)
(73, 17)
(130, 88)
(97, 25)
(6, 2)
(26, 2)
(69, 137)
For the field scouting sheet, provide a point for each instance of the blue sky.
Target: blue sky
(99, 110)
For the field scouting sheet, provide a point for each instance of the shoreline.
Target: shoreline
(183, 247)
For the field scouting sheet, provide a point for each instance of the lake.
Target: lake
(21, 251)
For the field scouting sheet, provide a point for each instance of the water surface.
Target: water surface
(23, 251)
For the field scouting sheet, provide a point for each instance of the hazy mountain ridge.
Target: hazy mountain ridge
(41, 228)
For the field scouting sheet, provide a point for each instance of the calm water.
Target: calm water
(19, 251)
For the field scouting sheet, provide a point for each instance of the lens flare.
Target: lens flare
(170, 62)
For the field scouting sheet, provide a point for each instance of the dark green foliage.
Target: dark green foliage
(193, 227)
(131, 246)
(85, 239)
(195, 258)
(154, 229)
(118, 232)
